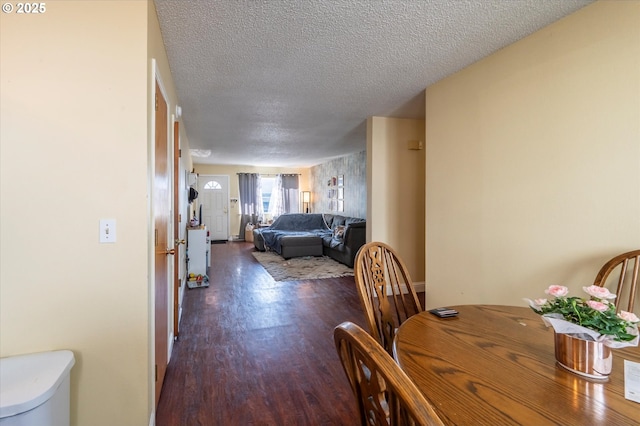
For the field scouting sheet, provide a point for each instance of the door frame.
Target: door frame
(179, 186)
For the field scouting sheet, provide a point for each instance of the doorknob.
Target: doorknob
(170, 251)
(178, 242)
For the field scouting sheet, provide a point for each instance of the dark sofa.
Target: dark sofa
(313, 234)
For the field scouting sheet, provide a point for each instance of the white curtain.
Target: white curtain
(276, 202)
(285, 196)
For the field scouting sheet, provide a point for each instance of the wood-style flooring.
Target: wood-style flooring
(253, 351)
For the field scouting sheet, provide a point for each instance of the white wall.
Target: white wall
(395, 185)
(533, 161)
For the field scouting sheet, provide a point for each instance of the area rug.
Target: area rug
(301, 268)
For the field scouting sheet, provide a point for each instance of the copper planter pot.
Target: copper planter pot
(583, 357)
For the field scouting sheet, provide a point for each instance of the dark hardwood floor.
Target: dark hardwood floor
(253, 351)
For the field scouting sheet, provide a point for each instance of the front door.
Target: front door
(213, 193)
(161, 212)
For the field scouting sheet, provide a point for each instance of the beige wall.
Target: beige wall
(233, 170)
(533, 161)
(74, 132)
(395, 189)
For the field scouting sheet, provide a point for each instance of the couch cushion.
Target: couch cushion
(273, 237)
(298, 222)
(352, 220)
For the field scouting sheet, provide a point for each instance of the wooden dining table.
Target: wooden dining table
(495, 365)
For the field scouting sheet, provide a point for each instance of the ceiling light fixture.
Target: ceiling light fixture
(200, 153)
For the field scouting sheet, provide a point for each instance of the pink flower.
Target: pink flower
(539, 302)
(598, 306)
(628, 316)
(599, 292)
(598, 314)
(557, 291)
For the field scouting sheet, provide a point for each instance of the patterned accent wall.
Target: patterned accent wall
(353, 168)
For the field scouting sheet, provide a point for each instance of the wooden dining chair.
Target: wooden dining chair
(386, 291)
(384, 393)
(627, 277)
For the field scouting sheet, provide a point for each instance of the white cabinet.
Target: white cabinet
(198, 247)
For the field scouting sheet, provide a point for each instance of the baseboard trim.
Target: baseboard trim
(420, 286)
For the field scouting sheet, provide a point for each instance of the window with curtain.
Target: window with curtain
(267, 187)
(284, 198)
(285, 195)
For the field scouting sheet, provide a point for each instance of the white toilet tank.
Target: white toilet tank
(34, 389)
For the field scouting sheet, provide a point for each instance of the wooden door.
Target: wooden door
(161, 197)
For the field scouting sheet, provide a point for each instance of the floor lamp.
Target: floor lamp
(306, 199)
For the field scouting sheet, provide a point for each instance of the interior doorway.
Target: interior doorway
(213, 193)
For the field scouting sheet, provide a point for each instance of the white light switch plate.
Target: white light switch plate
(107, 230)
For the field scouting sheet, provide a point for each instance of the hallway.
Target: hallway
(253, 351)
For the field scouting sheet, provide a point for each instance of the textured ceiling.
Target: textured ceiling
(291, 83)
